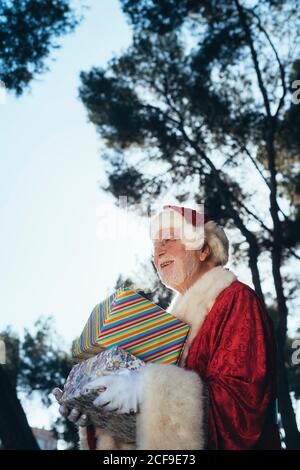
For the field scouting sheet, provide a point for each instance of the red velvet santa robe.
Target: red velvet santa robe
(230, 351)
(234, 353)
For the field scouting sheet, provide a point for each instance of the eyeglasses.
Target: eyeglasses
(163, 243)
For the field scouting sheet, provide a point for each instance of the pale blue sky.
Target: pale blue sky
(53, 261)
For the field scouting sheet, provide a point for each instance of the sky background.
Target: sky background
(56, 256)
(53, 260)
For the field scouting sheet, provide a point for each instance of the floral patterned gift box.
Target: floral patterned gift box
(74, 393)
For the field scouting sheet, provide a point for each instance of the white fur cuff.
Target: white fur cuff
(172, 410)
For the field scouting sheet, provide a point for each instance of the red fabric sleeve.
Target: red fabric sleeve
(239, 370)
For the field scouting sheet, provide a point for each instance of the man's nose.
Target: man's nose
(159, 250)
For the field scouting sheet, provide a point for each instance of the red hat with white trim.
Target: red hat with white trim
(193, 228)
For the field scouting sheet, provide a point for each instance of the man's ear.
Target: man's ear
(205, 252)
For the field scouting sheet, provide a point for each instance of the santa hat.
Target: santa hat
(193, 228)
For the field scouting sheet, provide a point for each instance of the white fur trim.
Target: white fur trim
(104, 441)
(173, 409)
(172, 413)
(193, 306)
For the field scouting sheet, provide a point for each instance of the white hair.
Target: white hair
(216, 238)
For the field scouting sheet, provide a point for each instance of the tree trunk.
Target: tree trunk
(15, 432)
(288, 418)
(292, 435)
(226, 199)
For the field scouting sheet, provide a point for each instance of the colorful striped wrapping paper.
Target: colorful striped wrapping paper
(134, 323)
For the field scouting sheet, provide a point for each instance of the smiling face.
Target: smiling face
(176, 266)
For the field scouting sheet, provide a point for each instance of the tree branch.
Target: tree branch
(254, 58)
(281, 68)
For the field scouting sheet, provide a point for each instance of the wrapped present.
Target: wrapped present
(134, 323)
(121, 426)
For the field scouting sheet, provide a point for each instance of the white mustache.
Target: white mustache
(166, 261)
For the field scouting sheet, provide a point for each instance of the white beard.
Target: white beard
(180, 272)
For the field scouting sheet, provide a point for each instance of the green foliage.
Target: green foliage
(36, 364)
(43, 363)
(28, 32)
(168, 15)
(184, 102)
(187, 86)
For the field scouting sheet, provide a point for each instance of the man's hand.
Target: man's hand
(122, 391)
(72, 414)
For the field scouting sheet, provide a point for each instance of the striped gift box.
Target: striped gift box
(134, 323)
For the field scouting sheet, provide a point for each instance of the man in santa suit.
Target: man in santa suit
(222, 393)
